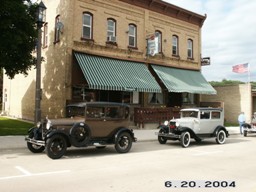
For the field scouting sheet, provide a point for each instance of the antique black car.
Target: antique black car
(87, 124)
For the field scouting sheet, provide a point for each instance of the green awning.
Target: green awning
(180, 80)
(113, 74)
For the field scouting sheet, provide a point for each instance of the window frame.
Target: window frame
(114, 27)
(190, 49)
(86, 26)
(175, 44)
(133, 35)
(45, 35)
(57, 30)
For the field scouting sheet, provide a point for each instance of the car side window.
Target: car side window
(95, 112)
(204, 115)
(113, 112)
(215, 115)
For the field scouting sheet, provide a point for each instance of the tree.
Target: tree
(18, 36)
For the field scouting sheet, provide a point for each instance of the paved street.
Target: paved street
(148, 167)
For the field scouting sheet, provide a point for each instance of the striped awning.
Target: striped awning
(181, 80)
(114, 74)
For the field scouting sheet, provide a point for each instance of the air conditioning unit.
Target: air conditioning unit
(111, 38)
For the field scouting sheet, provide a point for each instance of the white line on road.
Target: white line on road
(28, 174)
(25, 172)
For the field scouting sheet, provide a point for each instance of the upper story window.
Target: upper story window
(175, 45)
(158, 34)
(45, 35)
(132, 35)
(111, 31)
(87, 25)
(190, 48)
(57, 30)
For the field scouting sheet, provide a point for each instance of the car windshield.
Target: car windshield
(185, 114)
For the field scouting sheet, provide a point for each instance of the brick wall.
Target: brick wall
(236, 98)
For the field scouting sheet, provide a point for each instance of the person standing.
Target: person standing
(241, 121)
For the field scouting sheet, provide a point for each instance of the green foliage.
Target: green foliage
(13, 127)
(18, 36)
(225, 82)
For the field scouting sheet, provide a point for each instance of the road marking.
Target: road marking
(28, 174)
(25, 172)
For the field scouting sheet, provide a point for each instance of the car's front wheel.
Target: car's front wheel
(185, 139)
(221, 137)
(161, 139)
(123, 143)
(56, 146)
(33, 147)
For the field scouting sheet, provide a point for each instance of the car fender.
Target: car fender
(218, 128)
(55, 132)
(124, 129)
(164, 128)
(246, 125)
(32, 129)
(192, 133)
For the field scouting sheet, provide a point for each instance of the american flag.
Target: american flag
(241, 68)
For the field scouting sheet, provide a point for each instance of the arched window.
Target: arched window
(175, 45)
(132, 35)
(158, 34)
(111, 30)
(87, 25)
(57, 29)
(190, 48)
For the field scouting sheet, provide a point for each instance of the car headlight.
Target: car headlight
(38, 124)
(166, 123)
(48, 124)
(177, 124)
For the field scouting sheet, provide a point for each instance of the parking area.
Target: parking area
(149, 166)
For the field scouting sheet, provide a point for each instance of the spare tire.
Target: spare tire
(80, 134)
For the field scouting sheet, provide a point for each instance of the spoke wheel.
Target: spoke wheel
(33, 147)
(221, 137)
(123, 143)
(161, 139)
(185, 139)
(56, 146)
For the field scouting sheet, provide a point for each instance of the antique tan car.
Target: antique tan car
(87, 124)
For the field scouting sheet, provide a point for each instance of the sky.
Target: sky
(228, 36)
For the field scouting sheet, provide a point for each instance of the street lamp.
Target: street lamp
(41, 13)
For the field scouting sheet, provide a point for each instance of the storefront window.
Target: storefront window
(188, 98)
(155, 98)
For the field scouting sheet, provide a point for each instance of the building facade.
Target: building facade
(236, 98)
(144, 53)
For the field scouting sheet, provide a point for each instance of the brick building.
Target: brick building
(145, 53)
(236, 98)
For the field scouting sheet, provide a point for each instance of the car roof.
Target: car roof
(99, 103)
(202, 109)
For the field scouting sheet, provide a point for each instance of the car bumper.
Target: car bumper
(34, 141)
(168, 135)
(250, 130)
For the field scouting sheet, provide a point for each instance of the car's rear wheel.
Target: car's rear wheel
(56, 146)
(221, 137)
(161, 139)
(185, 139)
(123, 142)
(33, 147)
